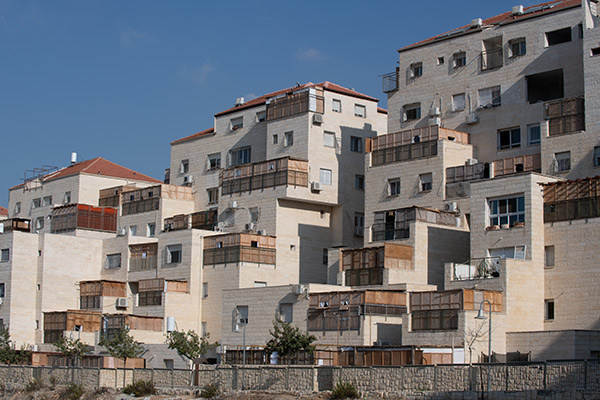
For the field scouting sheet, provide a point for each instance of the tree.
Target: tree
(73, 349)
(189, 344)
(288, 340)
(8, 351)
(473, 336)
(122, 346)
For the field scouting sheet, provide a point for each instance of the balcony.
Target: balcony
(411, 144)
(143, 257)
(279, 172)
(295, 102)
(56, 323)
(513, 165)
(390, 82)
(395, 224)
(111, 197)
(206, 220)
(477, 268)
(148, 199)
(80, 216)
(569, 200)
(239, 247)
(491, 59)
(565, 116)
(15, 224)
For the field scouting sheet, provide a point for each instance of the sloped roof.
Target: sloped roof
(206, 132)
(96, 166)
(3, 211)
(330, 86)
(507, 17)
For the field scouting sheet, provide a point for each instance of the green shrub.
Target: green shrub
(73, 391)
(34, 385)
(209, 391)
(344, 390)
(140, 388)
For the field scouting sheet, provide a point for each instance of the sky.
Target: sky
(122, 79)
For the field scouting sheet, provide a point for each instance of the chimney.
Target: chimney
(73, 158)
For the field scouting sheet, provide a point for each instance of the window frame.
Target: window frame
(331, 135)
(114, 256)
(426, 182)
(518, 43)
(321, 176)
(356, 144)
(36, 203)
(464, 102)
(511, 132)
(459, 55)
(17, 209)
(549, 256)
(236, 123)
(530, 141)
(212, 195)
(282, 314)
(213, 161)
(239, 156)
(67, 197)
(558, 40)
(562, 161)
(360, 110)
(416, 70)
(46, 201)
(359, 182)
(171, 251)
(495, 95)
(151, 229)
(4, 255)
(549, 309)
(184, 166)
(288, 138)
(495, 217)
(394, 187)
(333, 105)
(261, 116)
(407, 112)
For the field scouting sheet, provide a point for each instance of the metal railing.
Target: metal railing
(398, 230)
(477, 268)
(389, 82)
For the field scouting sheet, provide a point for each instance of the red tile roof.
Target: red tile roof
(332, 87)
(3, 211)
(382, 110)
(96, 166)
(206, 132)
(504, 18)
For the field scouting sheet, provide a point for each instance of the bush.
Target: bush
(73, 391)
(209, 391)
(344, 390)
(34, 385)
(53, 380)
(140, 388)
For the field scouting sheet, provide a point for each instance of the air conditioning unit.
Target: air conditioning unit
(434, 112)
(472, 119)
(188, 179)
(451, 206)
(472, 161)
(299, 289)
(359, 231)
(232, 205)
(436, 121)
(317, 119)
(122, 302)
(250, 226)
(122, 232)
(261, 232)
(315, 186)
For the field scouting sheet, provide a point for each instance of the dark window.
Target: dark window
(359, 182)
(596, 51)
(150, 298)
(509, 138)
(356, 144)
(559, 36)
(549, 310)
(545, 86)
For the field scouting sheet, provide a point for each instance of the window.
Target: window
(2, 291)
(517, 47)
(151, 229)
(329, 139)
(204, 290)
(17, 207)
(153, 298)
(549, 310)
(360, 111)
(325, 176)
(113, 261)
(489, 97)
(236, 123)
(39, 223)
(458, 102)
(89, 302)
(36, 203)
(214, 161)
(533, 134)
(516, 252)
(549, 256)
(596, 156)
(562, 161)
(440, 61)
(240, 156)
(412, 112)
(286, 311)
(47, 201)
(545, 86)
(288, 139)
(4, 255)
(459, 59)
(67, 198)
(394, 187)
(325, 256)
(254, 214)
(254, 243)
(184, 166)
(261, 116)
(558, 36)
(356, 144)
(416, 70)
(213, 195)
(359, 182)
(241, 313)
(507, 211)
(275, 139)
(509, 138)
(596, 51)
(336, 105)
(133, 230)
(174, 254)
(359, 223)
(260, 284)
(426, 182)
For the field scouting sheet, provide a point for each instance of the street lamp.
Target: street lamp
(240, 320)
(481, 315)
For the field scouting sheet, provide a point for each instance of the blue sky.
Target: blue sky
(121, 79)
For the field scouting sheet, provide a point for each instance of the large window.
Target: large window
(545, 86)
(113, 261)
(490, 97)
(241, 156)
(509, 138)
(507, 211)
(558, 36)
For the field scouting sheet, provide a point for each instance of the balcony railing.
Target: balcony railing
(386, 231)
(568, 200)
(293, 103)
(477, 268)
(390, 82)
(364, 277)
(278, 172)
(513, 165)
(565, 115)
(238, 254)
